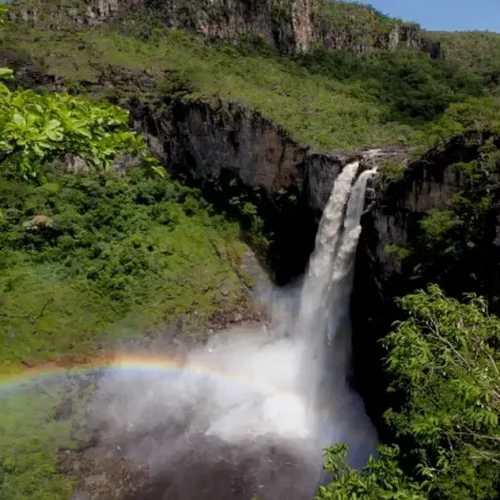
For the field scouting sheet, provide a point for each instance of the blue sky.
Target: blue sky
(444, 15)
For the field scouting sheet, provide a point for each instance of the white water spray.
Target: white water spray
(290, 393)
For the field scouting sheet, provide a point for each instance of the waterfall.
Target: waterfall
(256, 404)
(329, 278)
(323, 323)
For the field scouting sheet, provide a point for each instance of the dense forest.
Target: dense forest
(100, 241)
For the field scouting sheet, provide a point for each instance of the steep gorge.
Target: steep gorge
(251, 162)
(231, 151)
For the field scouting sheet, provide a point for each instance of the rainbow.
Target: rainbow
(127, 363)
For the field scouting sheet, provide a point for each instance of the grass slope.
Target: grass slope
(119, 254)
(317, 108)
(330, 101)
(113, 245)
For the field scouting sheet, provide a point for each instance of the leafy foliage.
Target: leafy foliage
(446, 367)
(380, 478)
(4, 8)
(118, 241)
(472, 115)
(413, 87)
(454, 246)
(392, 170)
(476, 51)
(37, 129)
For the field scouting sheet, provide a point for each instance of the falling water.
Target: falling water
(251, 408)
(324, 317)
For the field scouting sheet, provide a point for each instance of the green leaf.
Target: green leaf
(19, 120)
(6, 74)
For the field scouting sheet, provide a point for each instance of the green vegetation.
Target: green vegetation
(95, 251)
(454, 245)
(446, 367)
(28, 467)
(444, 361)
(116, 255)
(362, 22)
(476, 51)
(411, 87)
(31, 433)
(315, 109)
(89, 259)
(83, 253)
(327, 100)
(392, 170)
(381, 477)
(37, 129)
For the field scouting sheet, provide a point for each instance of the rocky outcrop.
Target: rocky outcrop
(332, 38)
(286, 24)
(209, 139)
(291, 26)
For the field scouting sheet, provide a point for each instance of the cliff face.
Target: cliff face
(430, 184)
(209, 139)
(232, 152)
(292, 26)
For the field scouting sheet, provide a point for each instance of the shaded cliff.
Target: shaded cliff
(235, 156)
(440, 223)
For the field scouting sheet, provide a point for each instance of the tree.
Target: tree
(444, 360)
(381, 478)
(38, 129)
(446, 367)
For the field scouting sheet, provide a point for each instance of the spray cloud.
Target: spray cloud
(252, 411)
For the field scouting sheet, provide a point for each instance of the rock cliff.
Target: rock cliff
(291, 26)
(430, 183)
(230, 152)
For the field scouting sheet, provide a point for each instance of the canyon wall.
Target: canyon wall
(291, 26)
(230, 151)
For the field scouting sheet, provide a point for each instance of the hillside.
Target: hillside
(329, 100)
(476, 51)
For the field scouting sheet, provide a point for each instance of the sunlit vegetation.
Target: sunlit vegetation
(445, 366)
(361, 21)
(327, 100)
(92, 253)
(476, 51)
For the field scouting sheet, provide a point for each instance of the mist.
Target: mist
(250, 412)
